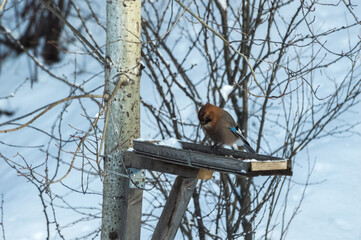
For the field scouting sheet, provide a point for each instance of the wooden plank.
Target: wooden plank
(269, 165)
(226, 152)
(203, 159)
(192, 158)
(134, 160)
(287, 172)
(175, 208)
(160, 165)
(134, 216)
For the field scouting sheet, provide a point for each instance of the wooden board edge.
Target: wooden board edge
(268, 166)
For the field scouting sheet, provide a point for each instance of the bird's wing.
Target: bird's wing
(236, 131)
(232, 126)
(229, 119)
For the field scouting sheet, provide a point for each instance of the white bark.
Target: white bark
(123, 54)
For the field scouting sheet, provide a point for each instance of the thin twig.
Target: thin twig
(49, 108)
(2, 5)
(225, 41)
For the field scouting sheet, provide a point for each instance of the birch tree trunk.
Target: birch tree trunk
(123, 74)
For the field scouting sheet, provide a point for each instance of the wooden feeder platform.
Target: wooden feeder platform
(193, 162)
(193, 157)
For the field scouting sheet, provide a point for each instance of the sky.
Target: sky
(330, 208)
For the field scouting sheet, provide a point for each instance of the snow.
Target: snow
(171, 142)
(330, 203)
(255, 160)
(225, 91)
(223, 4)
(250, 160)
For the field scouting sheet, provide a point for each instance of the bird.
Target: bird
(221, 127)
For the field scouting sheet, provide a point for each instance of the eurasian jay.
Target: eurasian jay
(221, 128)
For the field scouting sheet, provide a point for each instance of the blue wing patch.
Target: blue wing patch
(233, 129)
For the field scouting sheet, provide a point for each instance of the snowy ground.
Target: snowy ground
(330, 209)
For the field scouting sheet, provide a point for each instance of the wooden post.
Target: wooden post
(122, 80)
(175, 208)
(134, 218)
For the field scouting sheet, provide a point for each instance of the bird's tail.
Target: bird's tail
(248, 148)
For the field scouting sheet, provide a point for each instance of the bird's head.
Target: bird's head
(207, 115)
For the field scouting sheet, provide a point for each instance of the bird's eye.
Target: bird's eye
(207, 120)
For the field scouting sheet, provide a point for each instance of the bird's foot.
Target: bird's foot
(215, 147)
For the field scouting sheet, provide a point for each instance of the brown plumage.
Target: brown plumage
(221, 127)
